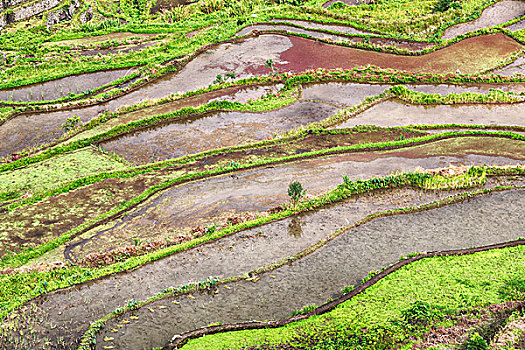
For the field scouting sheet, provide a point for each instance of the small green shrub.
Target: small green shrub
(444, 5)
(476, 342)
(419, 313)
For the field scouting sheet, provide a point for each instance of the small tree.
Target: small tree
(71, 123)
(296, 192)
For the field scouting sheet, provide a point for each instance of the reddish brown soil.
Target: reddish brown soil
(467, 56)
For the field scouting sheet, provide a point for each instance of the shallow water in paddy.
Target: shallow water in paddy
(323, 274)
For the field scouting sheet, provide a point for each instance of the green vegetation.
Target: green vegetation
(60, 170)
(87, 188)
(397, 308)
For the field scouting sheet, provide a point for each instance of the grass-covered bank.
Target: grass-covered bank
(400, 309)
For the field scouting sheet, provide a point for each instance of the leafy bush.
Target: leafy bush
(476, 342)
(444, 5)
(419, 313)
(71, 123)
(513, 290)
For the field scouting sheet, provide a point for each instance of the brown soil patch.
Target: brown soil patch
(460, 332)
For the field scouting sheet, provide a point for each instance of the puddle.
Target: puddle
(393, 113)
(182, 208)
(496, 14)
(322, 275)
(216, 130)
(55, 89)
(246, 250)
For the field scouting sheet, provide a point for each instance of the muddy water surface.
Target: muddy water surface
(498, 13)
(322, 275)
(393, 113)
(248, 58)
(216, 130)
(33, 129)
(214, 200)
(55, 89)
(248, 249)
(237, 94)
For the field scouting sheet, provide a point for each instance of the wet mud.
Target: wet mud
(322, 275)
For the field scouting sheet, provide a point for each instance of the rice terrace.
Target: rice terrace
(262, 174)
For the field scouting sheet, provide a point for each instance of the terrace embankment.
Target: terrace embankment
(31, 224)
(516, 67)
(33, 129)
(322, 275)
(216, 199)
(348, 34)
(494, 15)
(249, 249)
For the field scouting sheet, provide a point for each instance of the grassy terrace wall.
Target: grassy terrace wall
(215, 33)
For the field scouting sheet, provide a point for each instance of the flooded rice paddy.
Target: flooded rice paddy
(496, 14)
(216, 130)
(55, 89)
(203, 203)
(322, 275)
(248, 58)
(394, 113)
(249, 249)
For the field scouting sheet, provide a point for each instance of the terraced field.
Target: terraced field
(268, 174)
